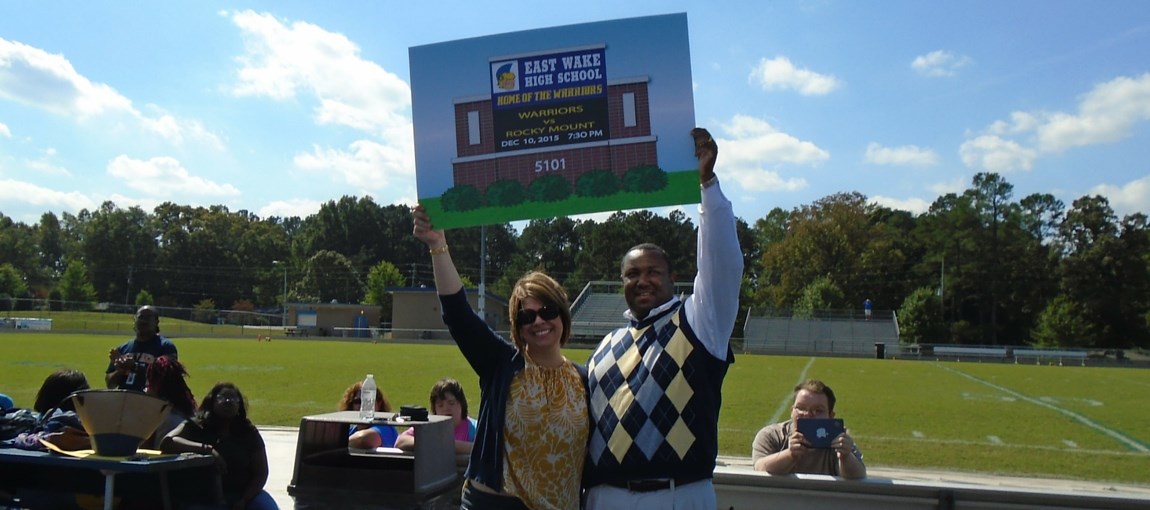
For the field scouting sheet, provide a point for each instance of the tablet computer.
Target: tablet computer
(819, 432)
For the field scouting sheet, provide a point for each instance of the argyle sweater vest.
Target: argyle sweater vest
(655, 396)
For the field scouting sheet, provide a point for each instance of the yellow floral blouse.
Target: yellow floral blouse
(545, 437)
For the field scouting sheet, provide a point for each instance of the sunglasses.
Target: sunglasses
(527, 316)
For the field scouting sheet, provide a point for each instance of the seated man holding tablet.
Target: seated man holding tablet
(811, 442)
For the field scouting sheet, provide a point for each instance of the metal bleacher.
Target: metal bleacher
(597, 311)
(847, 333)
(599, 308)
(839, 334)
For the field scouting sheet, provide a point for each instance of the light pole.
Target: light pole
(283, 318)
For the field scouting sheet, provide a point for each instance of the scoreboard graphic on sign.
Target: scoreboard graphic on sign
(556, 121)
(543, 100)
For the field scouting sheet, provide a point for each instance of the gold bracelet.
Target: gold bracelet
(437, 251)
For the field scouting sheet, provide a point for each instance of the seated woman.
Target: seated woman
(447, 399)
(57, 421)
(363, 436)
(221, 428)
(166, 380)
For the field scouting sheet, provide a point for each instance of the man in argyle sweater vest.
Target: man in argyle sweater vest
(656, 385)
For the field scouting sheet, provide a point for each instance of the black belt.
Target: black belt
(657, 484)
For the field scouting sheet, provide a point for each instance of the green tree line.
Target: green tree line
(978, 267)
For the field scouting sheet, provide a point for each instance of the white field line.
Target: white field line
(785, 404)
(1116, 435)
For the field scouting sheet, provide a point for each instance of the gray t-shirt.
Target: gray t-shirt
(773, 439)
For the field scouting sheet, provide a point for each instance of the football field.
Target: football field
(1089, 423)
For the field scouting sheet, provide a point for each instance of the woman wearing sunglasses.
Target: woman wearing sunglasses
(533, 425)
(364, 436)
(221, 428)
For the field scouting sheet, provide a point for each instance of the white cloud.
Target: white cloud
(178, 131)
(908, 155)
(366, 164)
(1129, 198)
(283, 60)
(408, 200)
(691, 212)
(1106, 114)
(46, 168)
(753, 143)
(293, 207)
(780, 74)
(755, 140)
(145, 203)
(1020, 122)
(912, 205)
(20, 192)
(44, 165)
(597, 217)
(164, 176)
(758, 179)
(939, 63)
(996, 154)
(956, 186)
(4, 131)
(36, 78)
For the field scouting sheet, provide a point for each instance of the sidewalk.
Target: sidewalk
(281, 443)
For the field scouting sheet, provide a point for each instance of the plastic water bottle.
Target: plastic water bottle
(367, 399)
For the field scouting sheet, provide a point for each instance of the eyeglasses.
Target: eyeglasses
(527, 316)
(227, 400)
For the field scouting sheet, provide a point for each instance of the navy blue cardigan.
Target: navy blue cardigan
(496, 360)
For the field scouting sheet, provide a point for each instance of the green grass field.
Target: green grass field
(1067, 422)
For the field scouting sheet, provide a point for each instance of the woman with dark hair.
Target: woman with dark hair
(166, 380)
(56, 422)
(56, 388)
(221, 428)
(533, 423)
(364, 436)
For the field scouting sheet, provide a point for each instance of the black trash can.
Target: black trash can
(879, 350)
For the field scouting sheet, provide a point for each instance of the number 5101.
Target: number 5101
(550, 165)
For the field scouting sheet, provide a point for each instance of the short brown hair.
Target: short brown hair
(538, 285)
(817, 386)
(448, 386)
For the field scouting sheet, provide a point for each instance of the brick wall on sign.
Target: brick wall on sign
(619, 154)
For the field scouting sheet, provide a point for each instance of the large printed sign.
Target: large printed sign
(549, 99)
(557, 121)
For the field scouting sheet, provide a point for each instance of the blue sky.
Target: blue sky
(278, 107)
